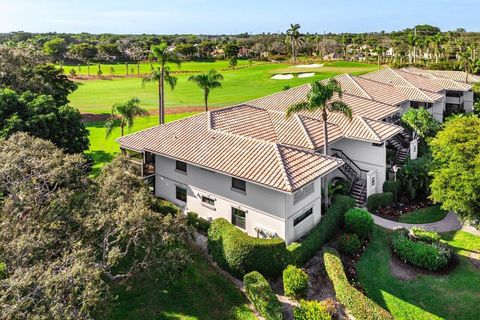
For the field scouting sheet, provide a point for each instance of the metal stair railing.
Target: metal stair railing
(360, 174)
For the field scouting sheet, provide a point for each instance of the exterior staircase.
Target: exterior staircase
(356, 176)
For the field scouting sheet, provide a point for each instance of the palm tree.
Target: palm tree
(161, 74)
(318, 99)
(123, 115)
(437, 41)
(295, 38)
(207, 82)
(467, 59)
(412, 40)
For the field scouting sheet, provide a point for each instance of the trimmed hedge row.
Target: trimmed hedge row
(197, 222)
(379, 200)
(311, 310)
(262, 297)
(295, 282)
(421, 234)
(360, 306)
(239, 254)
(430, 255)
(331, 222)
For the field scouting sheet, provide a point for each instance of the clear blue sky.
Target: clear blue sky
(227, 17)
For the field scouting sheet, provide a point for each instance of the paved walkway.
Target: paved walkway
(449, 223)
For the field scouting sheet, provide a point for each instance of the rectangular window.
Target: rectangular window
(208, 201)
(181, 194)
(181, 166)
(238, 218)
(455, 94)
(239, 184)
(302, 217)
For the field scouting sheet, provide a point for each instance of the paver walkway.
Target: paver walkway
(449, 223)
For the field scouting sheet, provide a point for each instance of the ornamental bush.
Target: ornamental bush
(311, 310)
(349, 243)
(331, 222)
(197, 222)
(262, 297)
(359, 222)
(420, 234)
(295, 282)
(238, 253)
(358, 305)
(379, 200)
(392, 186)
(430, 255)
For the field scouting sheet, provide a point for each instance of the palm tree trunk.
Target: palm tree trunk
(122, 130)
(205, 97)
(293, 52)
(161, 89)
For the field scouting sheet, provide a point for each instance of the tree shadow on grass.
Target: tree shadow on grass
(100, 158)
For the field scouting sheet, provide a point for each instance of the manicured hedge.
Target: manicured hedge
(240, 254)
(359, 221)
(358, 305)
(262, 297)
(295, 282)
(421, 234)
(349, 243)
(430, 255)
(331, 222)
(311, 310)
(392, 186)
(197, 222)
(379, 200)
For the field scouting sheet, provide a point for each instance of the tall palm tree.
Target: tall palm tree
(467, 58)
(295, 38)
(161, 74)
(123, 115)
(437, 41)
(207, 82)
(412, 40)
(318, 98)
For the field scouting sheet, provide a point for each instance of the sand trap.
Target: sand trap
(282, 76)
(306, 75)
(313, 65)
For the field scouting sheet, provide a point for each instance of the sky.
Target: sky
(231, 17)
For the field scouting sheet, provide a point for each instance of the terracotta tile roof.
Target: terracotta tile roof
(458, 76)
(414, 87)
(444, 82)
(259, 161)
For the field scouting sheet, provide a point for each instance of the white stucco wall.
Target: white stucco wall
(468, 101)
(266, 208)
(437, 109)
(367, 157)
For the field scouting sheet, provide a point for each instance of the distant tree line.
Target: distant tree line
(420, 45)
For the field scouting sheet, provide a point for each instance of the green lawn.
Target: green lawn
(104, 149)
(200, 293)
(240, 85)
(424, 215)
(452, 296)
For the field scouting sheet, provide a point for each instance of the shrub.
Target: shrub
(295, 282)
(420, 234)
(358, 305)
(311, 310)
(359, 222)
(3, 270)
(379, 200)
(331, 222)
(197, 222)
(392, 186)
(239, 253)
(431, 256)
(262, 297)
(349, 243)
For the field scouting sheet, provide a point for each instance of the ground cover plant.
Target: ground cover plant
(450, 296)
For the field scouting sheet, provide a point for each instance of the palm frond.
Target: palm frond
(340, 107)
(302, 106)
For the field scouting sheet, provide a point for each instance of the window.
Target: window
(239, 184)
(455, 94)
(181, 194)
(303, 193)
(208, 201)
(181, 166)
(238, 218)
(418, 104)
(302, 217)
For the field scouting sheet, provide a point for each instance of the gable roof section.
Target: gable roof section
(270, 164)
(444, 82)
(458, 76)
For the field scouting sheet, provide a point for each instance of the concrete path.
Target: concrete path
(449, 223)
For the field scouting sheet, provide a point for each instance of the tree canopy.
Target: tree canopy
(421, 122)
(456, 167)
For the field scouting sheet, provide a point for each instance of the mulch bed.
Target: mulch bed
(404, 207)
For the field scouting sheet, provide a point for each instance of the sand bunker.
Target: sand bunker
(313, 65)
(282, 76)
(306, 75)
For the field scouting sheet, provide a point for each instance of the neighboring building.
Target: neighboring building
(263, 172)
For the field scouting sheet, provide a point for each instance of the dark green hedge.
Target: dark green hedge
(197, 222)
(358, 305)
(359, 221)
(430, 255)
(262, 297)
(392, 186)
(379, 200)
(239, 253)
(349, 243)
(331, 222)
